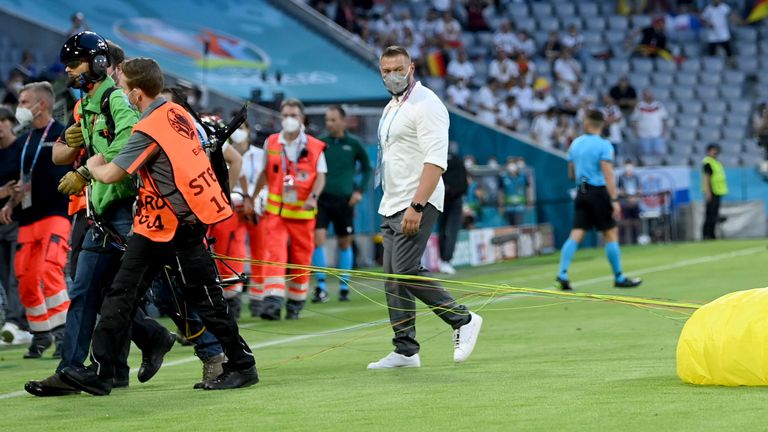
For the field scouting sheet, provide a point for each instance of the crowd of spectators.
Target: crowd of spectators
(510, 91)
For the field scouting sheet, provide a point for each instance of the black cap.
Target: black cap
(83, 46)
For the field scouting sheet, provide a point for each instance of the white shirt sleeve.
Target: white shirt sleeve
(322, 166)
(432, 130)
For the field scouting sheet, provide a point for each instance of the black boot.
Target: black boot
(152, 360)
(87, 380)
(292, 308)
(234, 379)
(41, 341)
(255, 307)
(51, 386)
(271, 308)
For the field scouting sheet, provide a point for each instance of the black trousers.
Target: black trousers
(448, 226)
(143, 260)
(710, 217)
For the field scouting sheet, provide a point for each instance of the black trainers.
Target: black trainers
(563, 284)
(40, 343)
(270, 311)
(292, 315)
(51, 386)
(320, 296)
(627, 283)
(344, 295)
(234, 379)
(151, 361)
(87, 380)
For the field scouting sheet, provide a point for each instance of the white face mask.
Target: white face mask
(520, 165)
(468, 163)
(493, 164)
(24, 116)
(290, 124)
(512, 168)
(239, 136)
(396, 83)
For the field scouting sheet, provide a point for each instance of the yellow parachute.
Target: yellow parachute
(725, 342)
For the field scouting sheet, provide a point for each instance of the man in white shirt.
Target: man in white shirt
(510, 115)
(716, 16)
(505, 38)
(567, 69)
(487, 103)
(503, 69)
(461, 67)
(459, 94)
(413, 145)
(543, 128)
(525, 44)
(648, 120)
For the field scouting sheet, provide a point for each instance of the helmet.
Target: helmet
(90, 47)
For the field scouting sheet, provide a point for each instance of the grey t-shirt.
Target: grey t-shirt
(142, 151)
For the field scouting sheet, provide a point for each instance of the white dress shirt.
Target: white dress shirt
(412, 132)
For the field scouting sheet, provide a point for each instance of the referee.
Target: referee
(343, 153)
(590, 162)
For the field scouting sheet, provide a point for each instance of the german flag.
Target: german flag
(759, 11)
(436, 63)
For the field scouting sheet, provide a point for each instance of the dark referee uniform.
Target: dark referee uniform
(342, 156)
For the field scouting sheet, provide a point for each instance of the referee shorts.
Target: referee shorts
(593, 209)
(335, 209)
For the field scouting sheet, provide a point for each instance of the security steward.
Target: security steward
(103, 122)
(714, 184)
(179, 196)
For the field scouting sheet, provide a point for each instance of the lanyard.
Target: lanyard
(37, 152)
(394, 116)
(284, 156)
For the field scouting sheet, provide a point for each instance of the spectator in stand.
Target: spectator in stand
(430, 24)
(515, 192)
(542, 100)
(525, 44)
(78, 24)
(653, 40)
(449, 30)
(487, 104)
(565, 132)
(405, 22)
(716, 17)
(543, 128)
(630, 192)
(458, 94)
(505, 38)
(614, 122)
(503, 70)
(13, 87)
(386, 26)
(760, 126)
(552, 47)
(572, 97)
(476, 15)
(441, 5)
(574, 41)
(567, 69)
(523, 93)
(460, 68)
(449, 222)
(526, 69)
(649, 120)
(27, 65)
(624, 95)
(413, 42)
(510, 116)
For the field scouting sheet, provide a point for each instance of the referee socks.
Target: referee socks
(613, 253)
(566, 256)
(318, 260)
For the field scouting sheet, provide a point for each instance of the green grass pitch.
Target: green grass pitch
(541, 364)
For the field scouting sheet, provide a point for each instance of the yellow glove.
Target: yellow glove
(73, 182)
(74, 136)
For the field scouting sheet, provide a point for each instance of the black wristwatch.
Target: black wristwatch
(418, 207)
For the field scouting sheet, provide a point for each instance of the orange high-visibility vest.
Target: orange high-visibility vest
(77, 201)
(304, 173)
(172, 128)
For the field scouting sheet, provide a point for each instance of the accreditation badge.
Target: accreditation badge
(26, 191)
(290, 195)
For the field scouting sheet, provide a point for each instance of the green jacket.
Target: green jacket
(92, 121)
(717, 180)
(342, 155)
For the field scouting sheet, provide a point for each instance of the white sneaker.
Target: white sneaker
(395, 360)
(446, 267)
(465, 337)
(12, 334)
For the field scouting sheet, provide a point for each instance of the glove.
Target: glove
(73, 182)
(74, 136)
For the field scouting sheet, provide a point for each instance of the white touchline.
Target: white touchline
(656, 269)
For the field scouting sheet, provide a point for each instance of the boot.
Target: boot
(41, 341)
(212, 368)
(293, 307)
(271, 308)
(58, 339)
(255, 307)
(234, 379)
